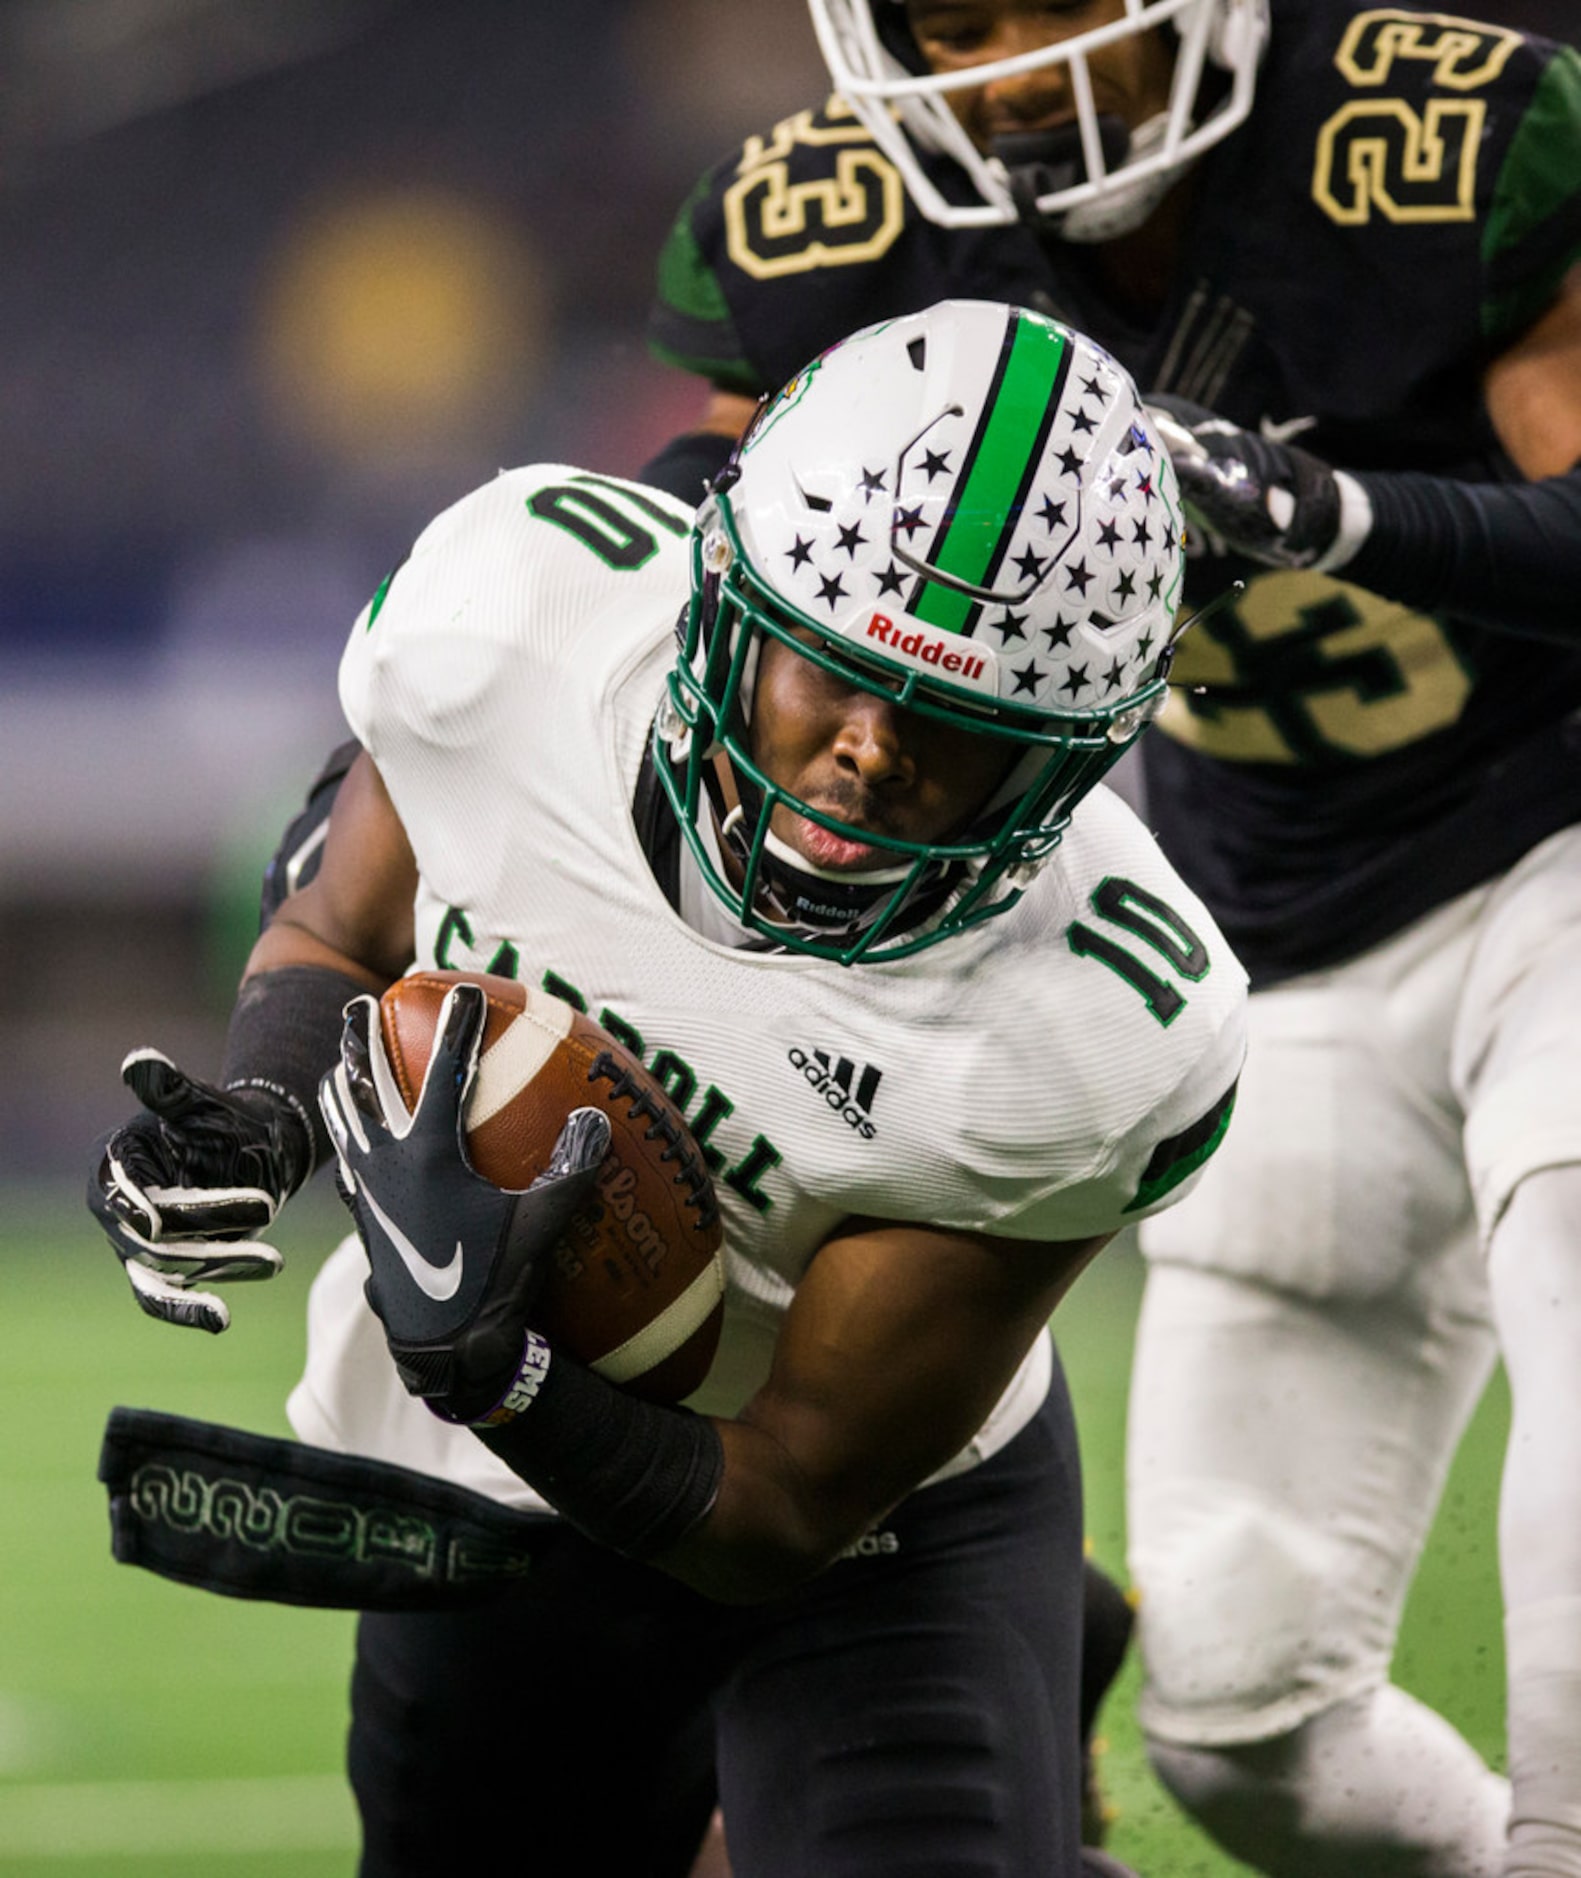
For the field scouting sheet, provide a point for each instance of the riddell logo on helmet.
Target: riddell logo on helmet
(925, 647)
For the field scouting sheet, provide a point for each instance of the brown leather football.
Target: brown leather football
(637, 1284)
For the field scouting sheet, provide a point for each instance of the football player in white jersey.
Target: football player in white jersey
(851, 819)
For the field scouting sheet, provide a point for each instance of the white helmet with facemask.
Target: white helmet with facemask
(1092, 178)
(967, 511)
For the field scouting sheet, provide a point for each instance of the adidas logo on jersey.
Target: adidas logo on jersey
(881, 1544)
(847, 1090)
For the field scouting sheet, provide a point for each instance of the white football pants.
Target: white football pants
(1397, 1202)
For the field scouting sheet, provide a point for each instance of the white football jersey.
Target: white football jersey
(1052, 1074)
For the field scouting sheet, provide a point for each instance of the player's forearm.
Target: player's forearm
(1505, 554)
(770, 1528)
(286, 944)
(718, 1505)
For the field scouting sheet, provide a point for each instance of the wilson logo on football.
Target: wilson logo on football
(848, 1090)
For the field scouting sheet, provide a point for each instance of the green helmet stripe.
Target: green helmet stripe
(1000, 464)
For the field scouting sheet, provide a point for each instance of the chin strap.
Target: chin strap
(1128, 201)
(790, 891)
(1039, 162)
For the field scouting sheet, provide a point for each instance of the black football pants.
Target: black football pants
(913, 1711)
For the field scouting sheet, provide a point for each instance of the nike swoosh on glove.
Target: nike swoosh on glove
(181, 1189)
(1262, 497)
(456, 1262)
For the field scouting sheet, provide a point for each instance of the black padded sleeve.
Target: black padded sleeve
(284, 1035)
(632, 1475)
(1507, 555)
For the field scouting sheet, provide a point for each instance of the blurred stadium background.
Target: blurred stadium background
(283, 277)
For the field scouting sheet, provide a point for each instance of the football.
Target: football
(636, 1286)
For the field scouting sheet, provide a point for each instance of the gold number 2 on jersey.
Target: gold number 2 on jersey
(1382, 156)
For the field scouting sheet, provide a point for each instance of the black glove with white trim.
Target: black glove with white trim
(182, 1189)
(1261, 495)
(456, 1261)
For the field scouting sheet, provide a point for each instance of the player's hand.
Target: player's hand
(182, 1188)
(1261, 497)
(456, 1261)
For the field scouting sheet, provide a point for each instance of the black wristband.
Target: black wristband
(630, 1474)
(1505, 554)
(688, 464)
(284, 1035)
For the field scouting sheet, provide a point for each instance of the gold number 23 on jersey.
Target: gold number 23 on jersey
(848, 207)
(1304, 668)
(1380, 155)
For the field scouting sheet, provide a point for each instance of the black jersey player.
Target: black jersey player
(1368, 261)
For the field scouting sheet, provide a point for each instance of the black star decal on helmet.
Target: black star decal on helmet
(1030, 567)
(872, 483)
(1144, 488)
(1069, 462)
(1125, 588)
(1144, 645)
(1027, 678)
(1082, 422)
(1075, 678)
(1141, 534)
(935, 462)
(1092, 387)
(1155, 583)
(1052, 514)
(1113, 678)
(1117, 488)
(891, 580)
(829, 589)
(1109, 535)
(1059, 633)
(801, 554)
(909, 520)
(851, 538)
(1136, 439)
(1010, 626)
(1079, 576)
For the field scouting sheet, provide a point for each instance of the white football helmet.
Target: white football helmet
(970, 510)
(1101, 181)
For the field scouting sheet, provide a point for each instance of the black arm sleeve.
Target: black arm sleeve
(1507, 555)
(688, 464)
(632, 1475)
(284, 1034)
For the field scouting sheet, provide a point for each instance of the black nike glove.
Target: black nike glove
(456, 1261)
(1262, 497)
(181, 1189)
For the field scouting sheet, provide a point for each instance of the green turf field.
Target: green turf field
(152, 1732)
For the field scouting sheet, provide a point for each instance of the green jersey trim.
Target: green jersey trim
(1533, 230)
(686, 281)
(1183, 1154)
(691, 326)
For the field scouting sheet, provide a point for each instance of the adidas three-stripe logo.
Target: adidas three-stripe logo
(847, 1087)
